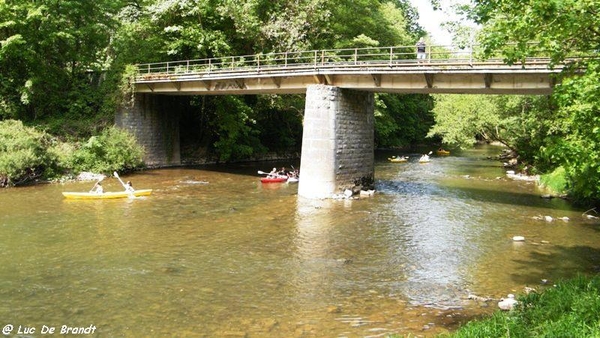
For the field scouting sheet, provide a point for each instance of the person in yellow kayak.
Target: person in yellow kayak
(129, 187)
(98, 189)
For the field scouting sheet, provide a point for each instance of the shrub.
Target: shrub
(23, 155)
(555, 181)
(114, 149)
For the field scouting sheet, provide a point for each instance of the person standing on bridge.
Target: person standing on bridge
(421, 50)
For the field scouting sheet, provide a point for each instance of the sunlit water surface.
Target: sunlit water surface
(215, 253)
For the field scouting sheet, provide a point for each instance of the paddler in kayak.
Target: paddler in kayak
(129, 187)
(97, 188)
(273, 173)
(284, 172)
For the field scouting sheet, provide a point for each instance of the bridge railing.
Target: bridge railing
(396, 56)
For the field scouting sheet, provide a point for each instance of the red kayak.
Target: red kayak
(279, 179)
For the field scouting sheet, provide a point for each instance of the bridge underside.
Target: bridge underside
(424, 82)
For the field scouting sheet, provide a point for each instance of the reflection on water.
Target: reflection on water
(213, 252)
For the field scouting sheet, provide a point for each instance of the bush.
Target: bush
(571, 309)
(23, 155)
(113, 150)
(555, 181)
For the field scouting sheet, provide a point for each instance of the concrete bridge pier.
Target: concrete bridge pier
(154, 121)
(337, 141)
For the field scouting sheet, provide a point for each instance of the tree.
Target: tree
(47, 49)
(560, 29)
(402, 120)
(462, 119)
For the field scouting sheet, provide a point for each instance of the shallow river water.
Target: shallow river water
(215, 253)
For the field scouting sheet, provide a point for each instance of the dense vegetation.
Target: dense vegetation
(559, 134)
(27, 154)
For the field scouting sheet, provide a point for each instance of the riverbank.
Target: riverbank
(568, 309)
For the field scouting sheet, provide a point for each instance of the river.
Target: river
(215, 253)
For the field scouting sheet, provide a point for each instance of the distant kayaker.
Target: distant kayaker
(283, 172)
(129, 187)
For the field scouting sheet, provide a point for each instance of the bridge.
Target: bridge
(389, 69)
(338, 141)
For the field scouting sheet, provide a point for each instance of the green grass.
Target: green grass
(570, 309)
(555, 181)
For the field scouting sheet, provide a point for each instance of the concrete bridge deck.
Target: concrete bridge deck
(389, 69)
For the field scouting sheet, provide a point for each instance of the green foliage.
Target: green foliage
(555, 181)
(279, 121)
(386, 22)
(568, 136)
(113, 150)
(579, 101)
(462, 119)
(23, 155)
(234, 125)
(571, 309)
(560, 27)
(402, 120)
(47, 48)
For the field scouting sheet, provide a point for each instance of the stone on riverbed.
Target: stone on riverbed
(89, 176)
(508, 303)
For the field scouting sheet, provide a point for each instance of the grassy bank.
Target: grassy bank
(570, 309)
(555, 181)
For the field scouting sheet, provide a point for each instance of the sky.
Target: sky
(430, 19)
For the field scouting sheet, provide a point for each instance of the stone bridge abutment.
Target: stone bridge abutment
(337, 141)
(154, 121)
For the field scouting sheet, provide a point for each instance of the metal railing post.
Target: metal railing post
(258, 62)
(429, 54)
(471, 55)
(391, 55)
(187, 66)
(315, 59)
(355, 56)
(285, 57)
(209, 65)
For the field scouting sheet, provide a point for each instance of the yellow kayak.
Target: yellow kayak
(398, 159)
(106, 195)
(443, 152)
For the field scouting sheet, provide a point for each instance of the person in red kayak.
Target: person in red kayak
(273, 173)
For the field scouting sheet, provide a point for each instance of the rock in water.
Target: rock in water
(508, 303)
